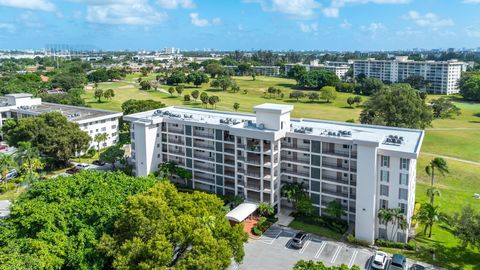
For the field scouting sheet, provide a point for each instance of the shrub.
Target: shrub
(350, 121)
(186, 97)
(353, 240)
(391, 244)
(256, 231)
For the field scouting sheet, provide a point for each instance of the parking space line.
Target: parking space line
(305, 246)
(320, 249)
(287, 245)
(269, 242)
(352, 259)
(336, 254)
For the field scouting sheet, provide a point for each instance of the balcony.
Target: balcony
(294, 146)
(203, 134)
(229, 172)
(203, 156)
(176, 141)
(178, 151)
(295, 159)
(229, 150)
(176, 130)
(203, 145)
(204, 179)
(335, 180)
(338, 153)
(296, 172)
(204, 167)
(335, 193)
(229, 183)
(335, 166)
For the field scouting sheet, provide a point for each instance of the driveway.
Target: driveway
(273, 251)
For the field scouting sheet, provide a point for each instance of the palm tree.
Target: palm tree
(6, 164)
(99, 138)
(397, 216)
(385, 216)
(428, 214)
(432, 192)
(437, 163)
(27, 156)
(167, 169)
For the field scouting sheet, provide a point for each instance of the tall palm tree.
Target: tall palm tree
(27, 157)
(397, 216)
(432, 192)
(428, 214)
(7, 162)
(385, 216)
(439, 164)
(167, 169)
(99, 138)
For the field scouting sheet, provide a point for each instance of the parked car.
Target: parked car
(98, 162)
(73, 170)
(82, 166)
(399, 262)
(379, 260)
(417, 267)
(299, 240)
(12, 174)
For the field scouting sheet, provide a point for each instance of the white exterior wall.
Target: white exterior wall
(94, 127)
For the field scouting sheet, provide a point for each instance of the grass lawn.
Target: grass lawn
(455, 143)
(456, 189)
(315, 229)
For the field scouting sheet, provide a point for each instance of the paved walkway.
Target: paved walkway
(452, 158)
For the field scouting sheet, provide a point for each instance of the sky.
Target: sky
(241, 24)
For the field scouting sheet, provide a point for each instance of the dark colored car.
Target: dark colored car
(98, 162)
(73, 170)
(399, 262)
(417, 267)
(299, 240)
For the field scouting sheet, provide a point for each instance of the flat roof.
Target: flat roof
(21, 95)
(282, 108)
(73, 113)
(388, 138)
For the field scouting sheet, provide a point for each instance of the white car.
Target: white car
(379, 260)
(82, 166)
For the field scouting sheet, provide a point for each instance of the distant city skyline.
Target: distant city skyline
(337, 25)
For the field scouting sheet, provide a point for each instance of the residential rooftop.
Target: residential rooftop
(388, 138)
(73, 113)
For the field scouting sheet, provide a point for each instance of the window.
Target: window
(403, 179)
(384, 190)
(114, 126)
(158, 145)
(404, 163)
(403, 194)
(385, 161)
(403, 207)
(346, 146)
(382, 233)
(281, 125)
(383, 204)
(384, 176)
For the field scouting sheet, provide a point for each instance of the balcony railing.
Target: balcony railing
(176, 141)
(203, 134)
(175, 130)
(335, 193)
(203, 146)
(204, 167)
(204, 179)
(336, 153)
(335, 180)
(335, 166)
(296, 146)
(296, 172)
(176, 151)
(203, 157)
(293, 159)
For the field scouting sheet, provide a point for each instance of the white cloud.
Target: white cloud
(307, 28)
(331, 12)
(334, 9)
(472, 32)
(429, 20)
(173, 4)
(298, 8)
(197, 21)
(471, 1)
(373, 29)
(123, 12)
(43, 5)
(345, 24)
(29, 19)
(7, 27)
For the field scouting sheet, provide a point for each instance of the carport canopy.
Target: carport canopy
(241, 212)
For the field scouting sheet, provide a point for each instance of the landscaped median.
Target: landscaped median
(321, 226)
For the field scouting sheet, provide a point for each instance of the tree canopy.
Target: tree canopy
(51, 133)
(166, 228)
(56, 224)
(134, 106)
(470, 86)
(398, 105)
(316, 79)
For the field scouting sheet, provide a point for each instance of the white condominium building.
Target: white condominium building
(443, 76)
(92, 121)
(252, 155)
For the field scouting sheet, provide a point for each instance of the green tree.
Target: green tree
(7, 163)
(204, 98)
(244, 68)
(265, 209)
(109, 94)
(350, 101)
(296, 72)
(171, 90)
(466, 227)
(99, 138)
(98, 94)
(397, 106)
(444, 108)
(313, 96)
(427, 215)
(470, 87)
(223, 82)
(318, 265)
(51, 133)
(57, 223)
(213, 100)
(357, 99)
(328, 93)
(145, 85)
(432, 192)
(179, 89)
(112, 154)
(335, 209)
(134, 106)
(236, 106)
(176, 77)
(27, 157)
(438, 164)
(417, 82)
(316, 79)
(214, 69)
(197, 78)
(195, 94)
(164, 228)
(297, 95)
(370, 86)
(385, 216)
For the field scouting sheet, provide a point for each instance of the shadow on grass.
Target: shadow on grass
(347, 107)
(290, 85)
(476, 114)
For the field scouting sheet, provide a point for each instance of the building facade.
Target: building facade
(442, 76)
(92, 121)
(362, 167)
(258, 70)
(336, 67)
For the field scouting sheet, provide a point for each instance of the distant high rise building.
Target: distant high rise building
(443, 76)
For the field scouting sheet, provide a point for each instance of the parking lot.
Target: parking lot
(273, 251)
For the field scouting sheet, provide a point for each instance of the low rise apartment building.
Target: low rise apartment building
(335, 67)
(442, 76)
(92, 121)
(258, 70)
(362, 167)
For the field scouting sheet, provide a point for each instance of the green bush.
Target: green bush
(353, 240)
(391, 244)
(256, 231)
